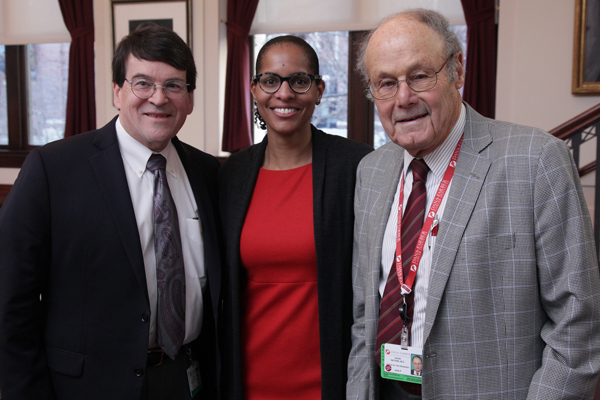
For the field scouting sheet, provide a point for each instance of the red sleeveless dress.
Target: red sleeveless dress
(280, 321)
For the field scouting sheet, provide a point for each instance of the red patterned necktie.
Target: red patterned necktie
(170, 273)
(390, 323)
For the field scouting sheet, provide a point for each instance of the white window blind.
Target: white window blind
(31, 21)
(295, 16)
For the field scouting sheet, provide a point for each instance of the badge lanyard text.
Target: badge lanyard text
(406, 285)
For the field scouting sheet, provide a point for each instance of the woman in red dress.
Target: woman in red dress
(287, 215)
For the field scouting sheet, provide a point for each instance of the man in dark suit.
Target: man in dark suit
(87, 308)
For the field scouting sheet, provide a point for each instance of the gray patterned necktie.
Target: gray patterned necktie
(170, 274)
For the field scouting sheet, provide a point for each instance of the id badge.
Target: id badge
(401, 364)
(194, 380)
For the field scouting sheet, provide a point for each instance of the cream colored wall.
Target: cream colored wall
(535, 50)
(8, 175)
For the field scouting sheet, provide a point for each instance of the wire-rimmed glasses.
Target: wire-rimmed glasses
(419, 81)
(144, 88)
(300, 82)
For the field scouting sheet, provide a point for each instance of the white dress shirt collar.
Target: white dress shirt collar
(136, 154)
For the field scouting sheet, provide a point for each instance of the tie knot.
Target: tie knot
(156, 162)
(419, 169)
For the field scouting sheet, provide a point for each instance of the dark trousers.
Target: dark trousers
(168, 381)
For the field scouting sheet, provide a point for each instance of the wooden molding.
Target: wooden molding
(12, 159)
(4, 189)
(361, 111)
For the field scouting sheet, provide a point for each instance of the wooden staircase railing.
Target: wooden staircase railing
(576, 132)
(579, 125)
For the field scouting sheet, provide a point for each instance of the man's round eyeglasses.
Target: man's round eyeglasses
(299, 82)
(419, 81)
(144, 88)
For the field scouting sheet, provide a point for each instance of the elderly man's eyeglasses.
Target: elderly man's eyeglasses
(299, 82)
(419, 81)
(144, 88)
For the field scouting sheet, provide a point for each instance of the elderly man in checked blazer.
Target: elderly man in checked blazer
(500, 292)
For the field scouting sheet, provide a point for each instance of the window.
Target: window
(33, 98)
(379, 136)
(48, 83)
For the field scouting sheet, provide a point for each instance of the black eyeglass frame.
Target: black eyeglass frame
(313, 78)
(398, 81)
(158, 84)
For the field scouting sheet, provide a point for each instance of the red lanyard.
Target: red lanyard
(406, 286)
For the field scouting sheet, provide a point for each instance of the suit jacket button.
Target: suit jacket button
(144, 317)
(138, 372)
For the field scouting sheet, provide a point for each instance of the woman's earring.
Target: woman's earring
(258, 118)
(318, 101)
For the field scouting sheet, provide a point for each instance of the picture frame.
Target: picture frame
(586, 48)
(129, 15)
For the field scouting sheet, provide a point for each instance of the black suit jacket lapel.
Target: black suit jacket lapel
(319, 163)
(319, 166)
(247, 183)
(107, 164)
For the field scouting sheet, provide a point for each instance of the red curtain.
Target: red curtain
(81, 97)
(480, 75)
(238, 110)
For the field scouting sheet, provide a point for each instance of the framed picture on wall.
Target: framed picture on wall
(129, 15)
(586, 48)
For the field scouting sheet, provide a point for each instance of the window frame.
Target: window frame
(361, 110)
(13, 154)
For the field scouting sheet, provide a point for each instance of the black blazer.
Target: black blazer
(334, 174)
(68, 233)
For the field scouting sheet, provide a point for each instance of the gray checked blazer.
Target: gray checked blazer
(514, 292)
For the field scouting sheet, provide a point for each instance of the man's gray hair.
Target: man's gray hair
(434, 20)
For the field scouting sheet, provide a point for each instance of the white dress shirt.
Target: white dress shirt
(437, 161)
(141, 188)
